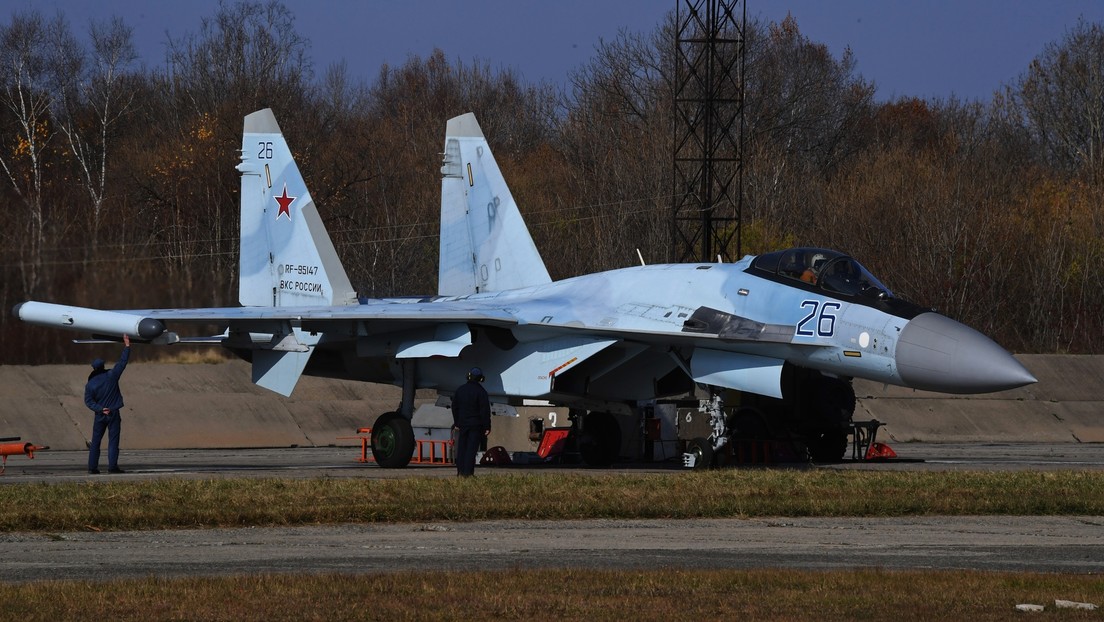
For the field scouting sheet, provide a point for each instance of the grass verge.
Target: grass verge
(563, 595)
(174, 503)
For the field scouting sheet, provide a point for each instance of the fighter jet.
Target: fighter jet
(770, 341)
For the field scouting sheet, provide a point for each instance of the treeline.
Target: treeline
(118, 188)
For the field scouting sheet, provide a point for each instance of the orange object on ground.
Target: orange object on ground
(425, 451)
(553, 442)
(438, 452)
(11, 449)
(365, 439)
(880, 451)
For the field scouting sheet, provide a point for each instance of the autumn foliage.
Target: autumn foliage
(118, 188)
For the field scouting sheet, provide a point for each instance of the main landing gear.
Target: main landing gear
(599, 438)
(392, 440)
(392, 435)
(810, 422)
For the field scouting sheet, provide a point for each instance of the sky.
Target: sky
(930, 49)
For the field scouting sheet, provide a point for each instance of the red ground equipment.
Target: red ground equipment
(880, 451)
(553, 442)
(11, 447)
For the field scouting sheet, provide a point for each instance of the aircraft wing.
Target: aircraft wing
(149, 324)
(283, 338)
(318, 315)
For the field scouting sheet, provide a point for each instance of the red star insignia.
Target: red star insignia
(285, 204)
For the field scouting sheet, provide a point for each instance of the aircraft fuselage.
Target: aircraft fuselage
(596, 336)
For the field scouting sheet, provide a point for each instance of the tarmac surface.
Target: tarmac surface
(996, 543)
(55, 466)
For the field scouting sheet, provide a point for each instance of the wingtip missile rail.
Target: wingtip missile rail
(93, 321)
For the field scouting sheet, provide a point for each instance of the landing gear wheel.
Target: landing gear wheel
(750, 439)
(702, 450)
(827, 436)
(748, 424)
(392, 441)
(600, 441)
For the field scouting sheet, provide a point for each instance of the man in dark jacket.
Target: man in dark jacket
(471, 418)
(103, 398)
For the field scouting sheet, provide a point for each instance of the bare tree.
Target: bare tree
(248, 55)
(93, 97)
(804, 110)
(616, 138)
(27, 77)
(409, 106)
(1062, 97)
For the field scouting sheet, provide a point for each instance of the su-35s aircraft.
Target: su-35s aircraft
(780, 334)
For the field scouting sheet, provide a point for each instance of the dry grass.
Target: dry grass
(188, 356)
(562, 595)
(566, 594)
(174, 503)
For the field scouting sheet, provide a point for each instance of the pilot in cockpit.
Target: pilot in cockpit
(816, 262)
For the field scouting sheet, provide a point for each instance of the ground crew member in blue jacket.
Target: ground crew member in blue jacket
(103, 398)
(471, 418)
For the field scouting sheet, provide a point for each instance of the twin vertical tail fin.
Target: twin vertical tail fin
(485, 245)
(287, 257)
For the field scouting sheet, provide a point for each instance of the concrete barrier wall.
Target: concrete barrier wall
(1066, 405)
(216, 405)
(190, 406)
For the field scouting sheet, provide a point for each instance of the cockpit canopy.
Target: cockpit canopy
(820, 268)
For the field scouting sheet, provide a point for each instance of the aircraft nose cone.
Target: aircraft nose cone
(936, 353)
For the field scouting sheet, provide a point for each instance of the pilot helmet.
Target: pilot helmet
(818, 261)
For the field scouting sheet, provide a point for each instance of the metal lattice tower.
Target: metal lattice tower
(708, 129)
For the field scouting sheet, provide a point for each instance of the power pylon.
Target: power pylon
(708, 129)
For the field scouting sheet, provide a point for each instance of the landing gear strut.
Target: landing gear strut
(392, 435)
(701, 452)
(811, 421)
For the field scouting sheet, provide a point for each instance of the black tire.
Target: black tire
(392, 441)
(600, 440)
(748, 423)
(827, 438)
(703, 450)
(836, 401)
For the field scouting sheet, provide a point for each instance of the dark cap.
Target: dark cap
(98, 364)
